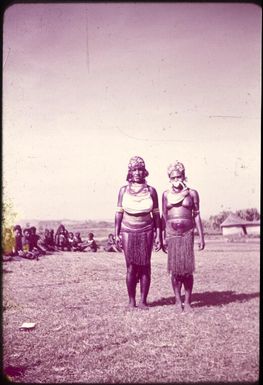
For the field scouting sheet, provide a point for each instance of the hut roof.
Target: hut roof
(233, 220)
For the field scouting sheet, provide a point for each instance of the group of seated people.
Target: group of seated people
(66, 240)
(24, 243)
(27, 243)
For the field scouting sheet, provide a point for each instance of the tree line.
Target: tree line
(212, 225)
(214, 221)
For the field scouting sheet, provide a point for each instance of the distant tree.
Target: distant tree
(206, 225)
(104, 224)
(216, 220)
(8, 214)
(249, 214)
(246, 214)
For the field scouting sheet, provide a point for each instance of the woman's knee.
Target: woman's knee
(188, 280)
(145, 270)
(131, 269)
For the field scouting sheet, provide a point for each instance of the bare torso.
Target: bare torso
(136, 219)
(180, 215)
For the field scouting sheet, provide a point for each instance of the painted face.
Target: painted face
(137, 174)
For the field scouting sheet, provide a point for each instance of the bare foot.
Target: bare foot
(178, 308)
(131, 305)
(143, 306)
(187, 308)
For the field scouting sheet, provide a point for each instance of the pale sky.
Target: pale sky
(87, 86)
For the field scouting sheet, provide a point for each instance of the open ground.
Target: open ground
(84, 332)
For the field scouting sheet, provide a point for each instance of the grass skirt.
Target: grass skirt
(139, 243)
(138, 251)
(181, 259)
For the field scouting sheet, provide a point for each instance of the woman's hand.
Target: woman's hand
(157, 244)
(201, 244)
(118, 242)
(164, 246)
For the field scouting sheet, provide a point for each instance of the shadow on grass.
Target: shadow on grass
(14, 371)
(209, 298)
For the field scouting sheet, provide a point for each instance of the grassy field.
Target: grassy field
(84, 333)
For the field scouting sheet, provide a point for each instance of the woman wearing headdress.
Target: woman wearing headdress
(180, 206)
(137, 219)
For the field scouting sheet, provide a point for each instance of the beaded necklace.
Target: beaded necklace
(133, 191)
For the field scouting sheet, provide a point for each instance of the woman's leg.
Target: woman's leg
(131, 279)
(188, 286)
(177, 281)
(145, 273)
(145, 281)
(131, 284)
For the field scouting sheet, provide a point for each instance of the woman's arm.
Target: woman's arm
(197, 218)
(156, 219)
(163, 222)
(119, 216)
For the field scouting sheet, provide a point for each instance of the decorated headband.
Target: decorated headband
(177, 166)
(136, 161)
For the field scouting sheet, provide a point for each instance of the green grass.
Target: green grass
(85, 334)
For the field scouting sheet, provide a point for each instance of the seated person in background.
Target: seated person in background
(51, 238)
(64, 241)
(27, 250)
(111, 244)
(34, 241)
(91, 244)
(78, 244)
(60, 230)
(71, 240)
(47, 241)
(17, 230)
(61, 238)
(77, 237)
(8, 245)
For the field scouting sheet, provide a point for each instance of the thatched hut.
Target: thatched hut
(253, 228)
(235, 226)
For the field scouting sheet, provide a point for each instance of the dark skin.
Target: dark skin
(18, 240)
(111, 246)
(135, 271)
(186, 216)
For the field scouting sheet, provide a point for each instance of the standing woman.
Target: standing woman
(181, 215)
(137, 219)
